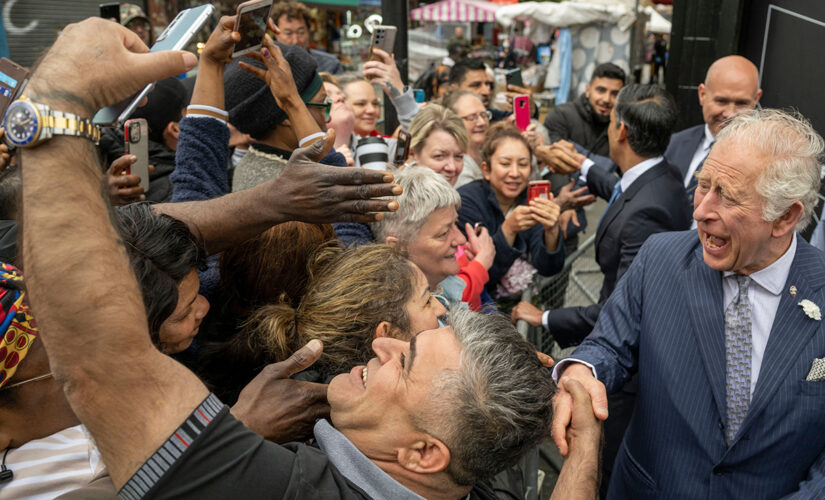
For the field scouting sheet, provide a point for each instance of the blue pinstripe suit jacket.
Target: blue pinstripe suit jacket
(665, 320)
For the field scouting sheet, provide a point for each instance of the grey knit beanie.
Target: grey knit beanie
(249, 102)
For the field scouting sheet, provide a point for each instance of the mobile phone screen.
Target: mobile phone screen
(252, 27)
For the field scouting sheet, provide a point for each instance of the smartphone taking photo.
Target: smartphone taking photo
(383, 37)
(176, 36)
(13, 77)
(251, 24)
(110, 11)
(136, 142)
(521, 110)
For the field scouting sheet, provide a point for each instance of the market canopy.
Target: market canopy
(456, 11)
(567, 14)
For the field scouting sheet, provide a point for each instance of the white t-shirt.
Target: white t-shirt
(46, 468)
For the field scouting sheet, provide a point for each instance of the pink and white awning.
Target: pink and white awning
(456, 11)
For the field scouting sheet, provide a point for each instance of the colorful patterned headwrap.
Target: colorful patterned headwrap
(17, 326)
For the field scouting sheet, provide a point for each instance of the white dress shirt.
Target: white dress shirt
(764, 293)
(627, 179)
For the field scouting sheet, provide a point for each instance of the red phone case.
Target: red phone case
(521, 109)
(538, 189)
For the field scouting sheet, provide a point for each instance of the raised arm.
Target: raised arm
(89, 307)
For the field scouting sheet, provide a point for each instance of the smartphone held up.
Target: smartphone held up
(521, 111)
(538, 189)
(136, 142)
(180, 32)
(251, 24)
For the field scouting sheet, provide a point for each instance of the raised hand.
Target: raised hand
(279, 408)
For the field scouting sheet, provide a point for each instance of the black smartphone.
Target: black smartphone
(514, 77)
(402, 148)
(110, 11)
(13, 77)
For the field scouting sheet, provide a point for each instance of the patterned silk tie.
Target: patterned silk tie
(617, 191)
(738, 358)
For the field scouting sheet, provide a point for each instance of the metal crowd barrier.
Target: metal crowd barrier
(577, 284)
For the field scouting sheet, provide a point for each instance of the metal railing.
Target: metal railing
(577, 284)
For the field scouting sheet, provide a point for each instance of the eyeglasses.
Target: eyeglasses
(327, 105)
(486, 114)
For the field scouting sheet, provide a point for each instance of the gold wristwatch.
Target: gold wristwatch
(29, 123)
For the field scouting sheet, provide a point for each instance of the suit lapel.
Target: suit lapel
(618, 205)
(705, 304)
(791, 330)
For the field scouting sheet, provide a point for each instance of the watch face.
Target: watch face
(22, 123)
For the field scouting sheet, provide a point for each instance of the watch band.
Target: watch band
(63, 123)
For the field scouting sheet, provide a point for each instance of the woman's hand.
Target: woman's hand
(384, 72)
(520, 219)
(546, 212)
(480, 247)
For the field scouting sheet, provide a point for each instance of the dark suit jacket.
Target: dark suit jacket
(655, 202)
(665, 322)
(683, 146)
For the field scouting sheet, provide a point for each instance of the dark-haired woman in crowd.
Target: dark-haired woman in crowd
(526, 236)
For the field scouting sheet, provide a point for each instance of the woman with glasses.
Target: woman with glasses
(476, 118)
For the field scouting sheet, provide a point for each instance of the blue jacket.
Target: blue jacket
(479, 204)
(665, 321)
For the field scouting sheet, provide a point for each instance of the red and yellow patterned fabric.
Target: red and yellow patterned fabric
(17, 325)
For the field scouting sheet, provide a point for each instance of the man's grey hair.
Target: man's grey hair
(497, 406)
(424, 192)
(794, 153)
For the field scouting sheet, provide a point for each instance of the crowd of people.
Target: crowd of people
(272, 320)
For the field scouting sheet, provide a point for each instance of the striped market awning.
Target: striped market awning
(456, 11)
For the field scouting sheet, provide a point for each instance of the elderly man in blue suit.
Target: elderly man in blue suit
(731, 85)
(723, 327)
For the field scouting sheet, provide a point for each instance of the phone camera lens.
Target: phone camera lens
(134, 135)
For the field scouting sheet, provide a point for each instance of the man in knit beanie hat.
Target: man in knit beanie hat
(277, 108)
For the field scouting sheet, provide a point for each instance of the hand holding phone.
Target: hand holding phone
(538, 189)
(251, 22)
(383, 37)
(176, 36)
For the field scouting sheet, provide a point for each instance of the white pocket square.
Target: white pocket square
(817, 373)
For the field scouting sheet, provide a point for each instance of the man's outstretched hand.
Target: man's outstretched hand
(96, 63)
(307, 191)
(279, 408)
(563, 403)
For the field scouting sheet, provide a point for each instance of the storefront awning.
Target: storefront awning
(456, 11)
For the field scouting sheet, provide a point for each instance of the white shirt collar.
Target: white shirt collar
(637, 170)
(709, 139)
(774, 277)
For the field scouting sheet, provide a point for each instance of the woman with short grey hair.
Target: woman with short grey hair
(424, 229)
